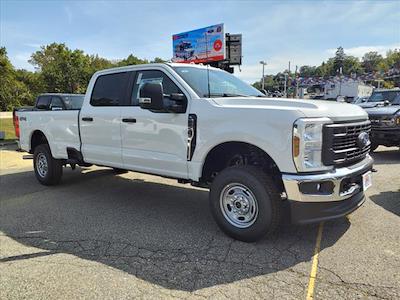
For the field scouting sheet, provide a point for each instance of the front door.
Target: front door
(154, 142)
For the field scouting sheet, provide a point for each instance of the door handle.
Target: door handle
(87, 119)
(129, 120)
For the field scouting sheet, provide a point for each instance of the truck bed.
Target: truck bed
(61, 128)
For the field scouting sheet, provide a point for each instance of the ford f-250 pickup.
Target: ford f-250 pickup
(264, 160)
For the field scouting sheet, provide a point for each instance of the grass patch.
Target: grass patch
(7, 126)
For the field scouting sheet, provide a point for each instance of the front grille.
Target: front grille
(341, 143)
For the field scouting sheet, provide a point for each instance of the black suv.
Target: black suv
(385, 118)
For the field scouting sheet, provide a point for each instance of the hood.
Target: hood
(309, 108)
(370, 104)
(383, 110)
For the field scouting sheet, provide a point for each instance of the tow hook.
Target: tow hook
(374, 170)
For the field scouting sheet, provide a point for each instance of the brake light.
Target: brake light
(16, 124)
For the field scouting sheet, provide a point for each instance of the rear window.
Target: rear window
(110, 89)
(73, 102)
(43, 102)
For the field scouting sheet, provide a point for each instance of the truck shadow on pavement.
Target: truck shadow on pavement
(160, 233)
(388, 200)
(385, 157)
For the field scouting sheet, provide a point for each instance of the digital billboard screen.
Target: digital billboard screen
(199, 46)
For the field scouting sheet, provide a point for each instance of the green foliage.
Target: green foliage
(12, 90)
(62, 69)
(372, 62)
(338, 60)
(7, 126)
(59, 69)
(132, 60)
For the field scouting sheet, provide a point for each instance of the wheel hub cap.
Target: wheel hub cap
(238, 205)
(41, 165)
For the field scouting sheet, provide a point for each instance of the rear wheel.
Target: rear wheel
(245, 203)
(48, 170)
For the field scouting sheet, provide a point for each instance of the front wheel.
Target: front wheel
(48, 170)
(245, 203)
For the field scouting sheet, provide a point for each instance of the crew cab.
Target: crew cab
(265, 160)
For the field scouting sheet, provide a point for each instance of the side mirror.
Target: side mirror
(176, 103)
(152, 96)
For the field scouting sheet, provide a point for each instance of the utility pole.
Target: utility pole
(285, 85)
(297, 83)
(263, 76)
(340, 82)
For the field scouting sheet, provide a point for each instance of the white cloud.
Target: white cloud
(32, 45)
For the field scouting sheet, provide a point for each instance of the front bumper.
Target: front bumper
(317, 197)
(308, 212)
(386, 137)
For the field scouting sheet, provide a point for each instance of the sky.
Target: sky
(302, 32)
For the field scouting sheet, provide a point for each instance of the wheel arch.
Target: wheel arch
(37, 138)
(229, 153)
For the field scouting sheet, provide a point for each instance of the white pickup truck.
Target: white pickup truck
(264, 160)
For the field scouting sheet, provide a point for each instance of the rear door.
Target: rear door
(154, 142)
(100, 120)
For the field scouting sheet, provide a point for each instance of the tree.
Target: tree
(132, 60)
(12, 91)
(307, 71)
(393, 59)
(158, 60)
(63, 70)
(352, 65)
(371, 61)
(338, 60)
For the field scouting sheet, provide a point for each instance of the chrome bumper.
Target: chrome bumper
(292, 183)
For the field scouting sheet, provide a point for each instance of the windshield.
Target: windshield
(222, 84)
(74, 102)
(392, 96)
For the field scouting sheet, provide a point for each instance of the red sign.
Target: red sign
(217, 45)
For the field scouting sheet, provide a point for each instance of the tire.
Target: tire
(120, 171)
(48, 170)
(259, 203)
(373, 147)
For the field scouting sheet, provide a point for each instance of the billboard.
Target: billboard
(199, 46)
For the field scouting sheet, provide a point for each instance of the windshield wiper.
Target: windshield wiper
(225, 95)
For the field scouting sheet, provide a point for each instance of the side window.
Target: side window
(56, 102)
(43, 102)
(143, 77)
(110, 89)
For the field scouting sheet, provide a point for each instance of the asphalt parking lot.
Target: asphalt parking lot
(106, 236)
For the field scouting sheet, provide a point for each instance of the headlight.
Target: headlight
(390, 121)
(397, 119)
(307, 144)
